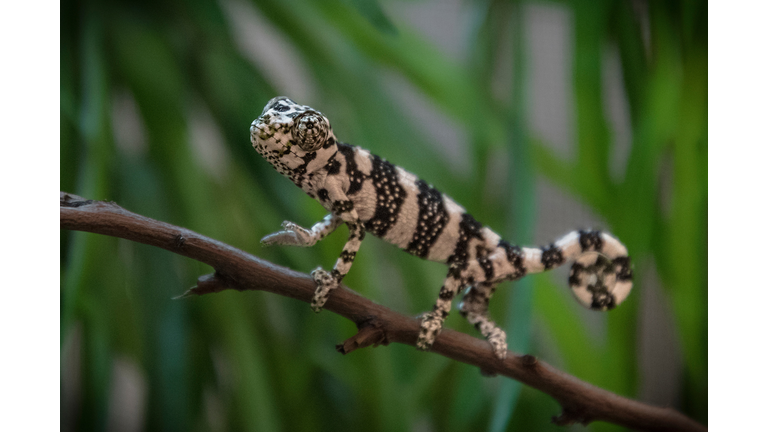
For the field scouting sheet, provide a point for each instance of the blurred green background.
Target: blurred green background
(539, 117)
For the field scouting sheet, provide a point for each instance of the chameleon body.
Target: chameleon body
(371, 195)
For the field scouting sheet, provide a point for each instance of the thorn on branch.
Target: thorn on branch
(488, 373)
(529, 360)
(210, 283)
(369, 333)
(569, 417)
(72, 200)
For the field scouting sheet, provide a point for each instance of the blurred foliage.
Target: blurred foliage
(255, 361)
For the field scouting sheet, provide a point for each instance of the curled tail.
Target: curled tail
(600, 277)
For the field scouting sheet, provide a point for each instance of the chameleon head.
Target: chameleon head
(289, 136)
(600, 283)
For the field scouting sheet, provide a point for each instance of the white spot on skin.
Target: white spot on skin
(569, 245)
(532, 260)
(612, 247)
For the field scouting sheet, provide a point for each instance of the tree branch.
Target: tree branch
(378, 325)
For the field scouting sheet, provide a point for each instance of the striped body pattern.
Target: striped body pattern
(371, 195)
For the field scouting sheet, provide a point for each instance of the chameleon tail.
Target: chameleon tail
(601, 275)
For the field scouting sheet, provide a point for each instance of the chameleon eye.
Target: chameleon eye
(310, 130)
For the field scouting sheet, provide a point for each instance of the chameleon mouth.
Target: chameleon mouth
(262, 133)
(262, 130)
(257, 134)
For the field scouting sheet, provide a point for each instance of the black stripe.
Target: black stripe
(515, 258)
(432, 219)
(333, 166)
(344, 206)
(446, 294)
(487, 266)
(347, 256)
(389, 197)
(590, 241)
(574, 278)
(625, 272)
(297, 175)
(551, 256)
(356, 177)
(468, 228)
(329, 142)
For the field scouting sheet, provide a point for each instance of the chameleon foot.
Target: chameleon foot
(325, 283)
(498, 341)
(430, 328)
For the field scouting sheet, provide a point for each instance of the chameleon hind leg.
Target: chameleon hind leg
(474, 307)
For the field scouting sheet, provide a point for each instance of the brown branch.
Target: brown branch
(378, 325)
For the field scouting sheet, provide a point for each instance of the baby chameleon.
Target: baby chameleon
(369, 194)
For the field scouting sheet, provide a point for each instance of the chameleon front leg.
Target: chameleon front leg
(328, 281)
(345, 210)
(295, 235)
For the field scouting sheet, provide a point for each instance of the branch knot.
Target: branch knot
(370, 332)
